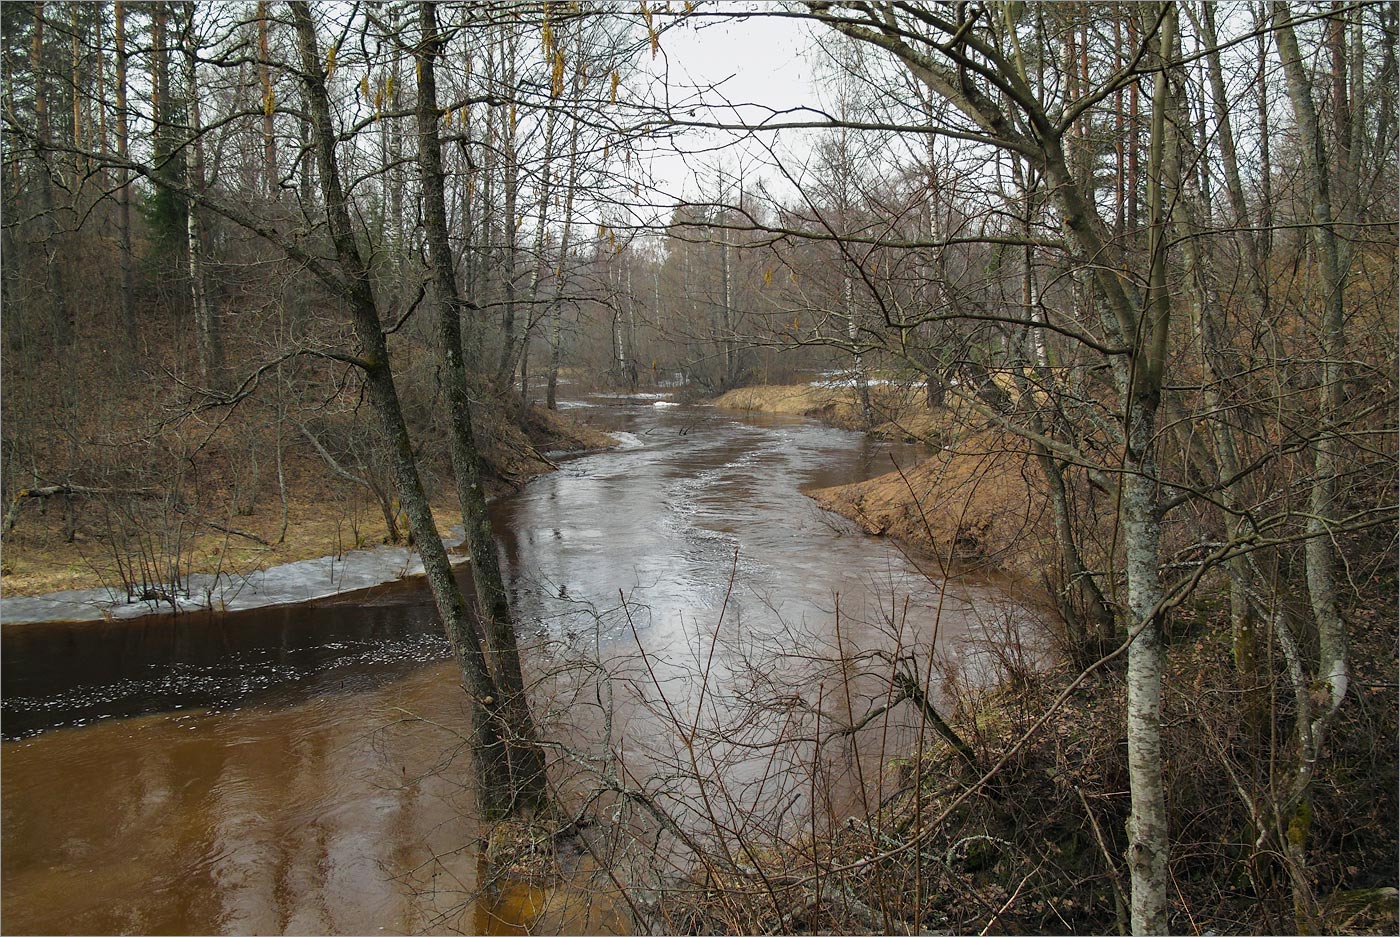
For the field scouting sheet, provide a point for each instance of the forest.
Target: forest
(286, 280)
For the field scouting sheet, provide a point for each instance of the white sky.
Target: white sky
(764, 62)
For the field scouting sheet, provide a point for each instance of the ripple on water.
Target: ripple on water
(297, 789)
(240, 676)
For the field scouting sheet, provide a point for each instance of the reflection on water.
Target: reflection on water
(213, 661)
(273, 818)
(299, 769)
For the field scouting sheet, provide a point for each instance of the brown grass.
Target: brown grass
(325, 516)
(977, 501)
(837, 405)
(38, 560)
(793, 399)
(978, 504)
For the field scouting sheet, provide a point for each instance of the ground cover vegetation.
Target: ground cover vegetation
(1130, 269)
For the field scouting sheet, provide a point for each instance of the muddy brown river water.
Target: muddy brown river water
(295, 769)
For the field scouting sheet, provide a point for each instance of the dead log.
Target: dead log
(912, 691)
(238, 533)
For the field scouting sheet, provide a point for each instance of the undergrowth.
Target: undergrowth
(1025, 833)
(1038, 847)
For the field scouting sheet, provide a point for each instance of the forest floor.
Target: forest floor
(56, 547)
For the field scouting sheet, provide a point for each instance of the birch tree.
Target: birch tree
(1004, 112)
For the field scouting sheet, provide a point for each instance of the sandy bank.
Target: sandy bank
(978, 501)
(977, 505)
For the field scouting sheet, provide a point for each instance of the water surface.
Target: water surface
(299, 769)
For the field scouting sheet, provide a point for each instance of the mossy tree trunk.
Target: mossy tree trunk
(525, 760)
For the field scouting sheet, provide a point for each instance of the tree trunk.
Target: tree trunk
(629, 298)
(1333, 655)
(208, 340)
(505, 370)
(128, 290)
(1266, 172)
(541, 262)
(75, 95)
(1089, 620)
(270, 178)
(1148, 842)
(525, 774)
(55, 278)
(490, 730)
(1234, 185)
(1147, 821)
(1209, 323)
(852, 316)
(556, 328)
(1332, 638)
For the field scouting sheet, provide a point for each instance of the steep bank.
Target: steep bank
(977, 501)
(1038, 847)
(56, 547)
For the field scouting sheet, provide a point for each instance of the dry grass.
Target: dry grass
(325, 517)
(978, 503)
(835, 404)
(793, 399)
(38, 560)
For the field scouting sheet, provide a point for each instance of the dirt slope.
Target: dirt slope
(978, 504)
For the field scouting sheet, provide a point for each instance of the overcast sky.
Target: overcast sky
(757, 64)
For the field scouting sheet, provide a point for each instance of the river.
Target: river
(296, 768)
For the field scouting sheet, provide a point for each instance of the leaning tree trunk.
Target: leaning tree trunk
(490, 727)
(525, 760)
(1332, 637)
(1333, 655)
(1209, 320)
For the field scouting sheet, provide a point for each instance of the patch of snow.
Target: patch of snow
(289, 583)
(637, 396)
(665, 403)
(626, 440)
(846, 379)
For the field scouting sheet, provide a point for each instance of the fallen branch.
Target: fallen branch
(1120, 900)
(915, 694)
(238, 533)
(910, 690)
(329, 459)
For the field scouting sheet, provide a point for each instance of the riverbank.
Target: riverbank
(55, 548)
(307, 743)
(1025, 833)
(1038, 847)
(977, 502)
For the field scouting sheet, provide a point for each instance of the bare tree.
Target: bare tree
(523, 785)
